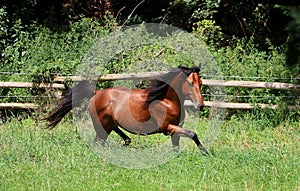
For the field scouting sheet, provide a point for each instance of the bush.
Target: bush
(243, 60)
(39, 55)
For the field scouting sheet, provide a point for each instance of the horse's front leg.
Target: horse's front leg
(177, 132)
(175, 142)
(175, 137)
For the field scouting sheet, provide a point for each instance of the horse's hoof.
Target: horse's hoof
(127, 142)
(203, 151)
(101, 142)
(176, 149)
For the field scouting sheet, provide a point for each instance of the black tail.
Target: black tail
(73, 98)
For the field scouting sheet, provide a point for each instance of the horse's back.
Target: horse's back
(118, 100)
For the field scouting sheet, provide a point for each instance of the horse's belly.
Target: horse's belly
(141, 128)
(142, 121)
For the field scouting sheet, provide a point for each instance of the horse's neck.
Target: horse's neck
(174, 93)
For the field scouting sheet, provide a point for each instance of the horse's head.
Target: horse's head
(191, 88)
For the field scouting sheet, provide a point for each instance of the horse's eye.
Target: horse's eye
(190, 84)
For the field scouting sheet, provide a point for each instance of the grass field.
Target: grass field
(249, 154)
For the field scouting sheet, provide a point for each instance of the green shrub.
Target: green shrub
(39, 55)
(243, 60)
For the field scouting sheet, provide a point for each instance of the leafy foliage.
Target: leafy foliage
(293, 52)
(35, 47)
(39, 55)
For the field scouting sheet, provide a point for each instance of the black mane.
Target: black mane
(159, 87)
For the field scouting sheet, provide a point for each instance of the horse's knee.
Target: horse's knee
(191, 135)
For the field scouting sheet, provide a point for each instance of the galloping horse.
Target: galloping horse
(156, 109)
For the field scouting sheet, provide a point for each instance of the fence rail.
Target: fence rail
(31, 85)
(224, 105)
(18, 106)
(151, 75)
(57, 85)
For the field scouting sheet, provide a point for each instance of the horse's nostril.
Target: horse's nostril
(200, 107)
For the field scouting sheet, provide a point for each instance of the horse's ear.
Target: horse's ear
(188, 71)
(196, 69)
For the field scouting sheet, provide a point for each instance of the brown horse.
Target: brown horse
(156, 109)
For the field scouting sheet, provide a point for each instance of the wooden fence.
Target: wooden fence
(222, 83)
(57, 85)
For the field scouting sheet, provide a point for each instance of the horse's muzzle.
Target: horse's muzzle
(200, 107)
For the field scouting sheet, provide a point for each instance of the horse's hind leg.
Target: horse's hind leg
(102, 132)
(102, 125)
(180, 132)
(123, 135)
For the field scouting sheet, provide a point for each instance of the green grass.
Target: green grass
(244, 157)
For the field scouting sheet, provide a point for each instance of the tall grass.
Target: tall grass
(244, 157)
